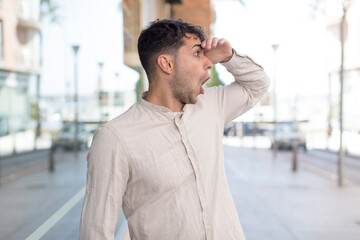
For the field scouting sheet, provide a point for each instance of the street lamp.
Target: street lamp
(345, 5)
(75, 49)
(275, 145)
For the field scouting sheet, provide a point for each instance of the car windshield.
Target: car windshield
(287, 128)
(71, 129)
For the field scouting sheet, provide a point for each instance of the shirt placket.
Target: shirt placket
(195, 165)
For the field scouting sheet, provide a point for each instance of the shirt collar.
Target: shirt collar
(160, 109)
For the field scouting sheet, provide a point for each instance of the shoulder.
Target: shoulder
(208, 101)
(211, 95)
(124, 119)
(112, 128)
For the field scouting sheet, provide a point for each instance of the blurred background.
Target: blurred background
(66, 67)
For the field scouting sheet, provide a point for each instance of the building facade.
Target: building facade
(20, 41)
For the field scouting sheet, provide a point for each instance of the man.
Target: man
(162, 160)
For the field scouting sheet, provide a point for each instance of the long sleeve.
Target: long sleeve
(251, 83)
(107, 177)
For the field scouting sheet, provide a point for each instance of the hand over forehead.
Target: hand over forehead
(217, 50)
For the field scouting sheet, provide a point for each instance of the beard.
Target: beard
(182, 88)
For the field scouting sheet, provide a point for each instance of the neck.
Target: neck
(161, 95)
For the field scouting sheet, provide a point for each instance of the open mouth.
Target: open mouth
(202, 85)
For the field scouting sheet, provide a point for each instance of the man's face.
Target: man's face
(191, 71)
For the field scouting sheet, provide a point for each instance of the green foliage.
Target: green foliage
(33, 111)
(49, 9)
(214, 80)
(317, 8)
(242, 2)
(138, 89)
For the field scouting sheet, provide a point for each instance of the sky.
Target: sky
(96, 26)
(300, 63)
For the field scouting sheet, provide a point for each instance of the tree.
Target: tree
(242, 2)
(138, 89)
(214, 79)
(49, 9)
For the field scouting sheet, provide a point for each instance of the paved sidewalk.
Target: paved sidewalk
(28, 202)
(274, 203)
(46, 204)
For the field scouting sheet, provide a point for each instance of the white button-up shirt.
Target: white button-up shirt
(167, 170)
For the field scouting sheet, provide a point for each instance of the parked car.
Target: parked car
(232, 129)
(288, 135)
(242, 129)
(252, 128)
(65, 137)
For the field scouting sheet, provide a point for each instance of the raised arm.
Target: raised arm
(251, 82)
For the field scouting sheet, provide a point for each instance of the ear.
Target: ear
(165, 62)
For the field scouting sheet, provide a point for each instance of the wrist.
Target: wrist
(230, 57)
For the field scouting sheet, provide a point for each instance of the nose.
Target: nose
(207, 64)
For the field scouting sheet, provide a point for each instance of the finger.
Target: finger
(214, 42)
(208, 43)
(223, 41)
(203, 44)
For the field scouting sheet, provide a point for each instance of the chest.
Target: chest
(166, 154)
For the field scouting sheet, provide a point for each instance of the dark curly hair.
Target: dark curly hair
(164, 36)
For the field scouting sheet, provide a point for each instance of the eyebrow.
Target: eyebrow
(197, 45)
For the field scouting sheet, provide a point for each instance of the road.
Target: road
(275, 203)
(35, 194)
(321, 162)
(326, 163)
(35, 201)
(15, 167)
(271, 199)
(18, 166)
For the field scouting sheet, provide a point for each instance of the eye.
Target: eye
(197, 53)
